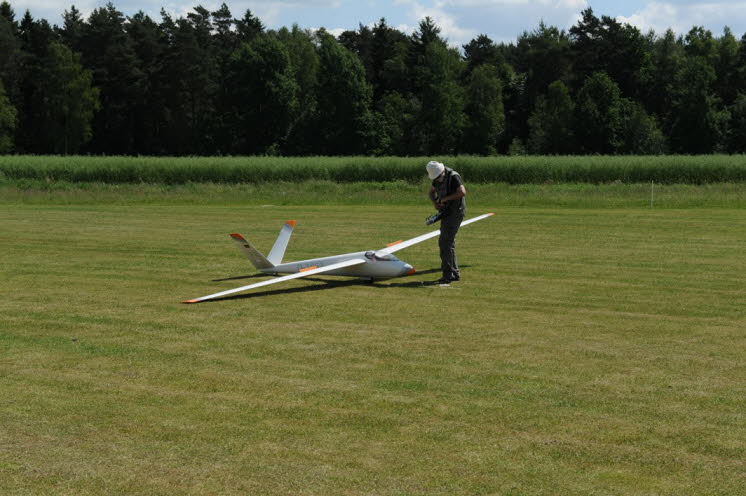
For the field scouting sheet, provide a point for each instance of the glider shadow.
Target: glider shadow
(327, 284)
(304, 289)
(236, 278)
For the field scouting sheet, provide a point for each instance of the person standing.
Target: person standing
(447, 194)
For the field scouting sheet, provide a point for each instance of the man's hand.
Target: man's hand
(460, 193)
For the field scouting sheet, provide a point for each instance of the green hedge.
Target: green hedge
(513, 170)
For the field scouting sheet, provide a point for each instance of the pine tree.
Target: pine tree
(666, 77)
(10, 52)
(108, 53)
(248, 27)
(545, 57)
(726, 68)
(389, 52)
(35, 37)
(72, 29)
(190, 74)
(148, 107)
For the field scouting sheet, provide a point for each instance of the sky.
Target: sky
(460, 20)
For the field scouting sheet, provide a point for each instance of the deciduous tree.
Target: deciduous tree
(71, 101)
(7, 122)
(344, 121)
(598, 115)
(699, 125)
(485, 117)
(264, 93)
(552, 122)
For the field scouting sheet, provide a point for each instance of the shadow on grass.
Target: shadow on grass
(304, 289)
(236, 278)
(327, 284)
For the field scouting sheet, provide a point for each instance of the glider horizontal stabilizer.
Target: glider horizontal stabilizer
(303, 273)
(404, 244)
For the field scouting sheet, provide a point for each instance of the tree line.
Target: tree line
(212, 84)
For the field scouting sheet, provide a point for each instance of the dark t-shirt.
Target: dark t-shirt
(449, 186)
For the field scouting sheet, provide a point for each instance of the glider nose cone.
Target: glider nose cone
(408, 270)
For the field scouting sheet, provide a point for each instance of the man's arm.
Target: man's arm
(433, 196)
(456, 195)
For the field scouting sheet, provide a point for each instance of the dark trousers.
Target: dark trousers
(447, 243)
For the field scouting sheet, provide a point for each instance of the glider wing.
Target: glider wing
(404, 244)
(303, 273)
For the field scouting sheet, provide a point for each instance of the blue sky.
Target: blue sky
(460, 20)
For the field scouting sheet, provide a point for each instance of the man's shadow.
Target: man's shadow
(326, 285)
(414, 284)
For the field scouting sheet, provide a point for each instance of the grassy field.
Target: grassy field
(491, 195)
(586, 351)
(594, 169)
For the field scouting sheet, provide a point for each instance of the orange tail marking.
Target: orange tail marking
(309, 268)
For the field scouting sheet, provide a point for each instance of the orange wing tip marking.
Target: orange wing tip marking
(395, 242)
(291, 223)
(491, 213)
(411, 271)
(237, 236)
(190, 301)
(308, 268)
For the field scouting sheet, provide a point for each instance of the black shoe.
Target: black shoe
(444, 280)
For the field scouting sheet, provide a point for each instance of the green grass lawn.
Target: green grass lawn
(585, 351)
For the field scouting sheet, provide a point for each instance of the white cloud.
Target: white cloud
(448, 24)
(660, 16)
(52, 10)
(334, 32)
(505, 20)
(557, 4)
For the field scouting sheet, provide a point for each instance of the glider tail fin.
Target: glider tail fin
(256, 258)
(278, 250)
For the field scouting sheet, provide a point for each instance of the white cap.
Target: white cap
(434, 169)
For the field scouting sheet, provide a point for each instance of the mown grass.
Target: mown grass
(514, 170)
(586, 351)
(579, 195)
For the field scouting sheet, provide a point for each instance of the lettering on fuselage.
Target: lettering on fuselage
(307, 265)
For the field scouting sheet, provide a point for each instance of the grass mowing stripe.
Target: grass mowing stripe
(617, 195)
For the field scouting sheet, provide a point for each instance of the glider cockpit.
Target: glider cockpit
(372, 256)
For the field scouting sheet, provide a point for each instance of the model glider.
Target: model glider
(380, 264)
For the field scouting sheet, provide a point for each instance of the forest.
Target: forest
(211, 84)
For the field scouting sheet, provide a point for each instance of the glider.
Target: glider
(380, 264)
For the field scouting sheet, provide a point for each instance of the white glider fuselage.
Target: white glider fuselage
(375, 266)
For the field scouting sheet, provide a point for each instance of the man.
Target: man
(447, 194)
